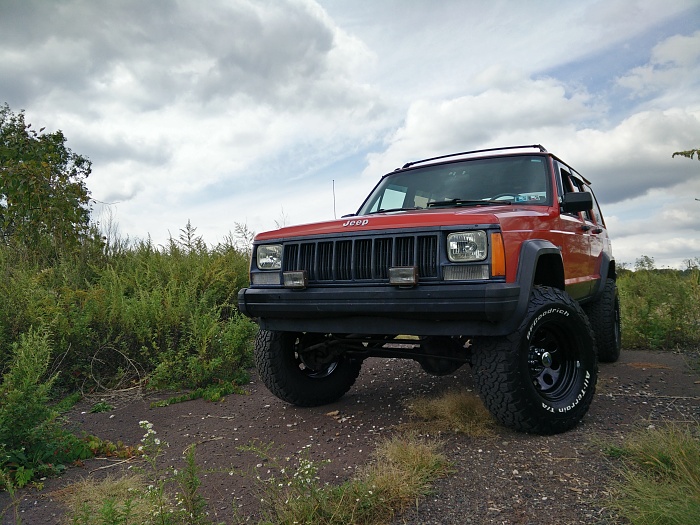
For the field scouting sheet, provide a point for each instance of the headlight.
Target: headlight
(269, 256)
(467, 246)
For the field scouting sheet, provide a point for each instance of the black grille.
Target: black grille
(362, 259)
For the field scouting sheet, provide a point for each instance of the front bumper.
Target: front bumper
(440, 309)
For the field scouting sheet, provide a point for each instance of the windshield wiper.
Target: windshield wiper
(393, 209)
(460, 202)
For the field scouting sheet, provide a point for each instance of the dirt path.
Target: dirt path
(510, 478)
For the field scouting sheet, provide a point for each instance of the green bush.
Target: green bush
(124, 312)
(660, 308)
(32, 441)
(117, 314)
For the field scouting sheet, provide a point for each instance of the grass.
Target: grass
(659, 308)
(461, 412)
(110, 500)
(660, 476)
(150, 494)
(401, 471)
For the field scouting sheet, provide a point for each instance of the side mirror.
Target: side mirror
(575, 202)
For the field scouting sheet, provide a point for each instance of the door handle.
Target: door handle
(585, 227)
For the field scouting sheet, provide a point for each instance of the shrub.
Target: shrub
(660, 308)
(32, 440)
(121, 313)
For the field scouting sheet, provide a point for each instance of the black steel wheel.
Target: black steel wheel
(542, 377)
(294, 367)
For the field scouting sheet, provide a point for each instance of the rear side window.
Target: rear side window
(597, 214)
(571, 183)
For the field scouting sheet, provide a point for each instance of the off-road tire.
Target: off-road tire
(604, 316)
(541, 378)
(283, 371)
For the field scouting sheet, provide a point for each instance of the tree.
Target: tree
(688, 154)
(43, 196)
(644, 263)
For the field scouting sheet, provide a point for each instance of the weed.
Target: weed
(68, 402)
(402, 470)
(101, 406)
(661, 477)
(169, 312)
(214, 393)
(453, 411)
(191, 504)
(145, 495)
(9, 484)
(34, 442)
(659, 308)
(112, 501)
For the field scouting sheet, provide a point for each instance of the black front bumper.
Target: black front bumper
(440, 309)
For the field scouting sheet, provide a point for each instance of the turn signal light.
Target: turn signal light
(498, 256)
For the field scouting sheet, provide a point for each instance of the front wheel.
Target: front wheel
(291, 366)
(541, 378)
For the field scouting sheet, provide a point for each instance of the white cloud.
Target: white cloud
(635, 156)
(672, 71)
(172, 102)
(669, 252)
(233, 110)
(678, 50)
(630, 163)
(518, 111)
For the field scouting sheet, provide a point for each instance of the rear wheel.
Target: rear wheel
(295, 368)
(604, 315)
(542, 377)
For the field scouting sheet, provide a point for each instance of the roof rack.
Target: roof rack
(409, 164)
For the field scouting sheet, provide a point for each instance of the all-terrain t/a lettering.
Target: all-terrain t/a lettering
(497, 258)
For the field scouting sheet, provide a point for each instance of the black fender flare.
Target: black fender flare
(530, 253)
(606, 262)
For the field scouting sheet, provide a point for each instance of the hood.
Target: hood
(426, 218)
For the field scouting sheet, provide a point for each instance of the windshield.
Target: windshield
(507, 180)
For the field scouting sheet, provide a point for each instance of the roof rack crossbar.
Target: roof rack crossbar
(409, 164)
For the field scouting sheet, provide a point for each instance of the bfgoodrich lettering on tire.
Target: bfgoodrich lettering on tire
(542, 377)
(298, 369)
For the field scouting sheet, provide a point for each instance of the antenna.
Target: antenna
(334, 215)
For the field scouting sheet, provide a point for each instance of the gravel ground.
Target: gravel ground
(507, 478)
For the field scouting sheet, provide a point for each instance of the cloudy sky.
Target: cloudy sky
(255, 111)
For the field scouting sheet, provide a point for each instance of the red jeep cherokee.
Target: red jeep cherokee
(498, 258)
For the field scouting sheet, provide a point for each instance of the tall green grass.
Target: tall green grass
(111, 315)
(167, 312)
(661, 477)
(660, 308)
